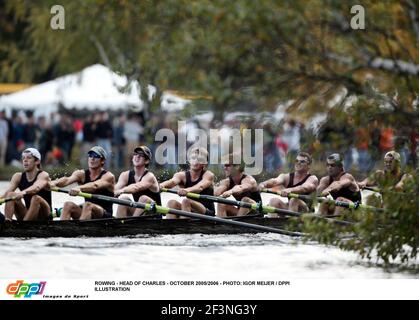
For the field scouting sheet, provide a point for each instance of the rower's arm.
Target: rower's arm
(146, 183)
(77, 176)
(42, 181)
(400, 186)
(122, 181)
(14, 183)
(221, 187)
(323, 184)
(248, 184)
(270, 183)
(106, 182)
(176, 180)
(370, 181)
(346, 181)
(307, 187)
(206, 182)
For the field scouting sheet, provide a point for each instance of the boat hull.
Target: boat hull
(129, 227)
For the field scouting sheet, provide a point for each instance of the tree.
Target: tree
(231, 50)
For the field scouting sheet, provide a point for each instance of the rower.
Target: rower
(338, 184)
(138, 184)
(392, 176)
(33, 184)
(301, 181)
(93, 180)
(196, 180)
(241, 186)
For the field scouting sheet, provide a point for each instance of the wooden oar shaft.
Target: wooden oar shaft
(164, 210)
(255, 206)
(338, 203)
(4, 200)
(375, 189)
(241, 204)
(349, 205)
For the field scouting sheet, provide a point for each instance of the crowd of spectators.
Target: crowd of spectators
(57, 135)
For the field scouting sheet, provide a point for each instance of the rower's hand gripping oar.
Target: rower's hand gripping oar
(197, 196)
(348, 205)
(146, 206)
(375, 189)
(164, 210)
(254, 206)
(4, 200)
(353, 206)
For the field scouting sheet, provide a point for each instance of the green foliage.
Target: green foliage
(390, 237)
(278, 49)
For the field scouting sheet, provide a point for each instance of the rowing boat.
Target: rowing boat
(131, 226)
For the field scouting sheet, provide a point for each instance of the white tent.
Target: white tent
(95, 87)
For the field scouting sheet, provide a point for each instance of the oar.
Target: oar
(254, 206)
(4, 200)
(375, 189)
(163, 210)
(385, 191)
(348, 205)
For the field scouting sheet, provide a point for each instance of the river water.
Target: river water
(246, 256)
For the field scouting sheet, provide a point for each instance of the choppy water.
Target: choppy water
(247, 256)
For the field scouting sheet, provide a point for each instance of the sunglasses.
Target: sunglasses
(94, 155)
(331, 165)
(138, 154)
(301, 161)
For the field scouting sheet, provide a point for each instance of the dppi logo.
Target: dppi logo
(27, 290)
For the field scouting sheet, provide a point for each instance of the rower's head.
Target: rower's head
(142, 156)
(233, 165)
(392, 161)
(334, 164)
(97, 157)
(197, 158)
(303, 162)
(31, 159)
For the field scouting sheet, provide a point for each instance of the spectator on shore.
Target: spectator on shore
(132, 133)
(271, 155)
(348, 137)
(386, 140)
(89, 137)
(362, 146)
(374, 146)
(4, 134)
(64, 136)
(30, 132)
(118, 142)
(291, 136)
(104, 133)
(414, 144)
(46, 138)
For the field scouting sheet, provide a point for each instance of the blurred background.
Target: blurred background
(121, 70)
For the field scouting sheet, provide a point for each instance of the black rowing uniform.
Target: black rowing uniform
(345, 193)
(254, 195)
(291, 184)
(24, 183)
(209, 191)
(386, 179)
(153, 195)
(106, 205)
